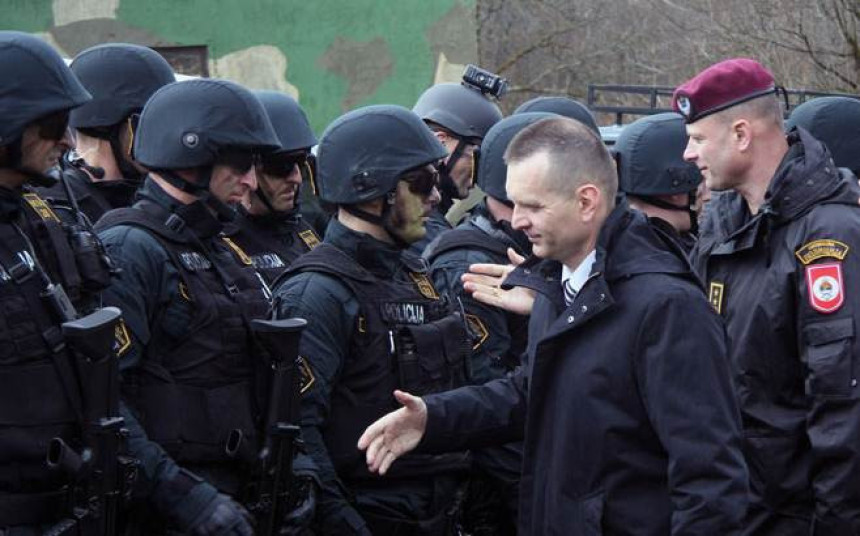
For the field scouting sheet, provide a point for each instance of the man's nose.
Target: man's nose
(435, 197)
(68, 140)
(518, 221)
(249, 178)
(689, 153)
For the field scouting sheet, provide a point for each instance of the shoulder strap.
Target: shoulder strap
(463, 237)
(307, 235)
(329, 259)
(154, 221)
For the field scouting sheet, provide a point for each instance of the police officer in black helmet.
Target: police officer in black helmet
(271, 228)
(654, 176)
(459, 116)
(190, 293)
(101, 173)
(376, 323)
(484, 237)
(48, 276)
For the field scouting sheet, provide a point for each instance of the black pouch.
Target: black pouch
(90, 258)
(432, 357)
(830, 358)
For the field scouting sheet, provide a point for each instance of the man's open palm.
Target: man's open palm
(395, 434)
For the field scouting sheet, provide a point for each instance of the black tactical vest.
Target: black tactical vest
(195, 390)
(480, 234)
(407, 337)
(273, 245)
(38, 390)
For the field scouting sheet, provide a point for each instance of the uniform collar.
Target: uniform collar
(196, 216)
(806, 176)
(278, 223)
(379, 258)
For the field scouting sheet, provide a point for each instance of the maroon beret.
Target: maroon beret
(722, 86)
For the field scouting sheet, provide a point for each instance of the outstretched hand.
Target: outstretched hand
(395, 434)
(484, 281)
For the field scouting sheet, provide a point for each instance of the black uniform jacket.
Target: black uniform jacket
(625, 402)
(784, 280)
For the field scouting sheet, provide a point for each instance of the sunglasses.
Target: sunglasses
(282, 164)
(240, 160)
(53, 126)
(421, 182)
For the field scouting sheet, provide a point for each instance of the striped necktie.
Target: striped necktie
(569, 292)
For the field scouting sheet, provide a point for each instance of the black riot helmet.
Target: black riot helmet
(492, 170)
(186, 124)
(192, 124)
(36, 85)
(835, 121)
(463, 111)
(290, 122)
(459, 109)
(650, 156)
(121, 78)
(295, 134)
(563, 106)
(363, 153)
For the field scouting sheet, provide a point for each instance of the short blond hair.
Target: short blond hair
(576, 155)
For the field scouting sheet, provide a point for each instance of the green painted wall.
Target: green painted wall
(26, 15)
(339, 54)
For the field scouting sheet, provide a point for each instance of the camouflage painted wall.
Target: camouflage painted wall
(333, 55)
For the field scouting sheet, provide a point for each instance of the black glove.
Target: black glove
(195, 507)
(301, 515)
(222, 517)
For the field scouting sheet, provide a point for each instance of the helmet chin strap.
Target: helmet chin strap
(382, 220)
(111, 134)
(189, 187)
(264, 198)
(688, 208)
(200, 189)
(447, 188)
(126, 169)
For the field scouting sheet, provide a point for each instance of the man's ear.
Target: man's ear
(589, 199)
(741, 134)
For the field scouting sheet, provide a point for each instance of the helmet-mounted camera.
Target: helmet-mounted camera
(484, 81)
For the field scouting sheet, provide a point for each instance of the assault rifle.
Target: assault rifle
(102, 477)
(267, 496)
